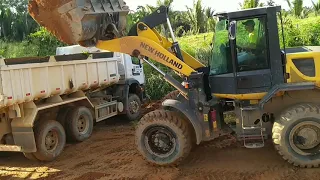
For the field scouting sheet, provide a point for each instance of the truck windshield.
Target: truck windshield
(221, 61)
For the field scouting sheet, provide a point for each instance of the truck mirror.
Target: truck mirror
(232, 30)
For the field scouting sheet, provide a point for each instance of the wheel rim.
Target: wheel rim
(305, 138)
(160, 141)
(83, 124)
(134, 107)
(51, 140)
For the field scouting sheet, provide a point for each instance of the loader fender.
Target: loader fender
(188, 113)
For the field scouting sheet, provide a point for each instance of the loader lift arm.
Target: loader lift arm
(142, 41)
(83, 22)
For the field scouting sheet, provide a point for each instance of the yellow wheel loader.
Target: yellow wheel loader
(273, 91)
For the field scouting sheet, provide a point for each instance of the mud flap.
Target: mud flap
(189, 113)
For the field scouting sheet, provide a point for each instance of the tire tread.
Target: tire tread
(285, 118)
(173, 119)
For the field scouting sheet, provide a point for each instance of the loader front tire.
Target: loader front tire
(50, 140)
(171, 95)
(296, 135)
(163, 138)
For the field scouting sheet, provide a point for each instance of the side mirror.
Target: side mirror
(232, 30)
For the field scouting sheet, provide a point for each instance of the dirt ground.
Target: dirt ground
(111, 154)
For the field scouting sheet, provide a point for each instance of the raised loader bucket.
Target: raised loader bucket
(81, 21)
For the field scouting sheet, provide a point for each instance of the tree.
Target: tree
(296, 7)
(196, 17)
(211, 23)
(15, 21)
(247, 4)
(316, 7)
(270, 3)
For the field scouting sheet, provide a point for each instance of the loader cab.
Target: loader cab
(246, 56)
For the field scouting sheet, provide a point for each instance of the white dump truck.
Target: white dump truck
(48, 101)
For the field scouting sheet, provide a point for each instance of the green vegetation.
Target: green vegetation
(20, 36)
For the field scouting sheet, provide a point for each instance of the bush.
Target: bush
(301, 32)
(156, 87)
(46, 43)
(40, 43)
(17, 49)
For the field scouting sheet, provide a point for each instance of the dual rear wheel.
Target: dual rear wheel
(76, 125)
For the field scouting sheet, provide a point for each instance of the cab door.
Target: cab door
(135, 69)
(253, 73)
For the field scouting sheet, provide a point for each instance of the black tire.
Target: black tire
(30, 156)
(54, 131)
(168, 123)
(134, 107)
(62, 115)
(171, 95)
(303, 119)
(79, 124)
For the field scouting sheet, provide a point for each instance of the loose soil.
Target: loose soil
(45, 12)
(111, 154)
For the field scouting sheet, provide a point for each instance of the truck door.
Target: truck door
(134, 69)
(253, 72)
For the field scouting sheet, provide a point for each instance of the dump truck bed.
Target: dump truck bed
(28, 79)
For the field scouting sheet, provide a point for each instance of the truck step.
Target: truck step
(11, 148)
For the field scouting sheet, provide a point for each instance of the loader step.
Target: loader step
(252, 128)
(250, 108)
(254, 145)
(256, 140)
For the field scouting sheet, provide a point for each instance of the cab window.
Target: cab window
(251, 45)
(221, 59)
(135, 60)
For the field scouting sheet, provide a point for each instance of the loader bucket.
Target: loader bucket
(81, 21)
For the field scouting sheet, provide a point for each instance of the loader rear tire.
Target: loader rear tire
(296, 135)
(79, 124)
(50, 140)
(163, 138)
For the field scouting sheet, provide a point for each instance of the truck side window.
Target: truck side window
(135, 60)
(251, 45)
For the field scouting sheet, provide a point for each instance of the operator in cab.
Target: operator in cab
(247, 54)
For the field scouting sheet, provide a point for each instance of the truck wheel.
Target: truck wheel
(171, 95)
(79, 124)
(62, 115)
(50, 140)
(134, 107)
(296, 135)
(30, 156)
(163, 138)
